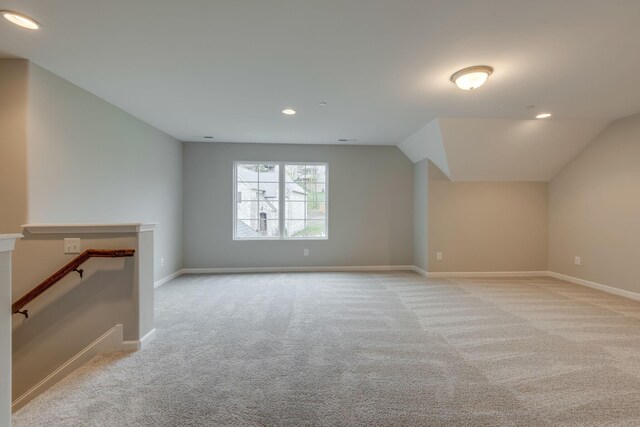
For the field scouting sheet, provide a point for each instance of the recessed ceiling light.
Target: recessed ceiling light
(543, 116)
(19, 19)
(323, 104)
(288, 111)
(472, 77)
(207, 137)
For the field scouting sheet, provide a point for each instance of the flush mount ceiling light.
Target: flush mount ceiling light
(543, 116)
(288, 111)
(472, 77)
(19, 19)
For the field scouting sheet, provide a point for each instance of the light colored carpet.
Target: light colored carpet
(371, 349)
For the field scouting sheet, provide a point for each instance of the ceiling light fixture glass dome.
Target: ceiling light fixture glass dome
(471, 77)
(19, 19)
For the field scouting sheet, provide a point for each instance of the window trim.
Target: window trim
(281, 200)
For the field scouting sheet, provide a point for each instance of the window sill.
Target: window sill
(278, 239)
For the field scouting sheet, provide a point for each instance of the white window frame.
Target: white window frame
(281, 199)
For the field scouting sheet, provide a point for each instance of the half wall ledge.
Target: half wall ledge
(122, 228)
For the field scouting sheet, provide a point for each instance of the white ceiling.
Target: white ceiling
(227, 68)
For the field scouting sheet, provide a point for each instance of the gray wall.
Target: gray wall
(69, 157)
(370, 207)
(90, 162)
(5, 337)
(420, 212)
(487, 226)
(594, 210)
(67, 318)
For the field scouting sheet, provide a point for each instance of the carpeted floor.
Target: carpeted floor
(370, 349)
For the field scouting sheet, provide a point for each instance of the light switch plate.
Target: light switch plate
(439, 256)
(72, 246)
(578, 261)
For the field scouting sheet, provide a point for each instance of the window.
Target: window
(276, 200)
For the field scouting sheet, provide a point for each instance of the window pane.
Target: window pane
(295, 210)
(247, 173)
(300, 228)
(268, 173)
(320, 188)
(308, 178)
(294, 183)
(247, 210)
(257, 191)
(315, 208)
(305, 210)
(294, 173)
(269, 190)
(256, 229)
(294, 192)
(258, 172)
(315, 173)
(267, 210)
(247, 191)
(293, 227)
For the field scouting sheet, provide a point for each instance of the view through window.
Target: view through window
(277, 200)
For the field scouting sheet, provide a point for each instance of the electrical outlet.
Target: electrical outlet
(578, 261)
(72, 246)
(439, 256)
(306, 252)
(161, 262)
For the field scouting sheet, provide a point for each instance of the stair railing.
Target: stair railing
(74, 265)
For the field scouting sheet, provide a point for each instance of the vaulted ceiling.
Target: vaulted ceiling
(227, 68)
(501, 149)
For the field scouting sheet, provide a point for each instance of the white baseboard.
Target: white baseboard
(136, 345)
(594, 285)
(110, 341)
(479, 273)
(168, 278)
(296, 269)
(420, 271)
(224, 270)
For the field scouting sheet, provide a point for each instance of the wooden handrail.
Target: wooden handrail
(17, 306)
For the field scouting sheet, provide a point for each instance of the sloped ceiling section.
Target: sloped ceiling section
(500, 149)
(427, 144)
